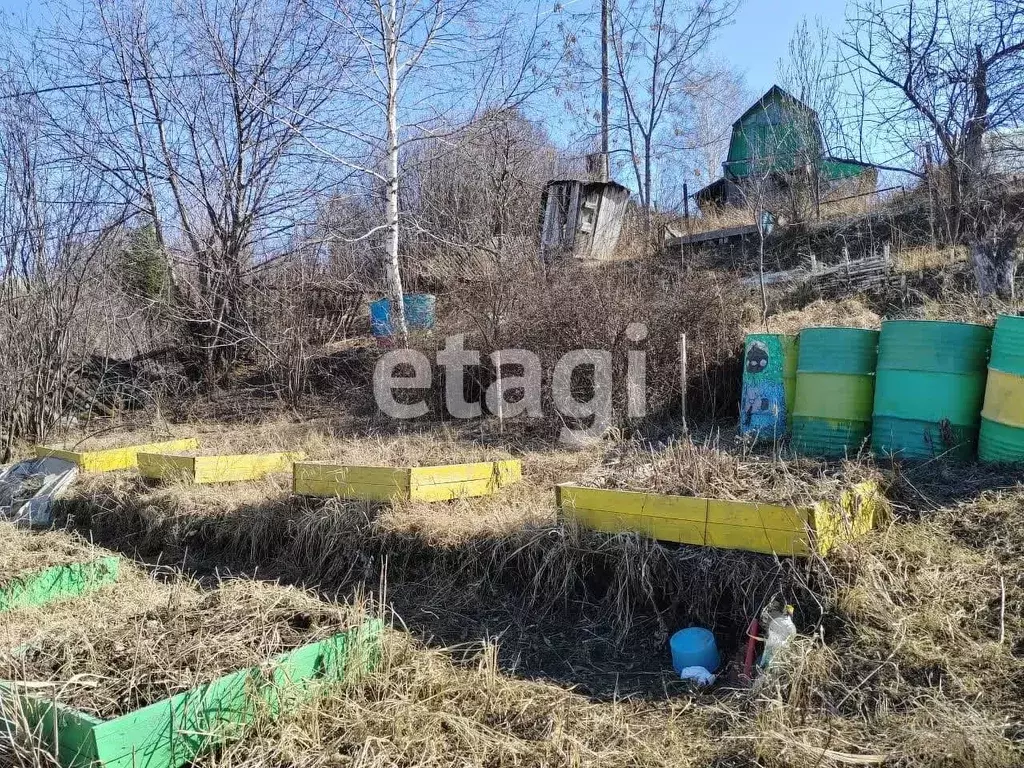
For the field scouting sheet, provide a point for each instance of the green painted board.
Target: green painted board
(42, 587)
(174, 731)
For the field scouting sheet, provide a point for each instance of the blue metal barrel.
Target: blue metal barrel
(419, 315)
(419, 311)
(380, 319)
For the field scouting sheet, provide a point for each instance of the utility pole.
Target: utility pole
(604, 90)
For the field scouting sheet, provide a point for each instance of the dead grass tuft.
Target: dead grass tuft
(421, 709)
(23, 552)
(846, 313)
(692, 468)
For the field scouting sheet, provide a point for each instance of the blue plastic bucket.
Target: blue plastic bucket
(694, 647)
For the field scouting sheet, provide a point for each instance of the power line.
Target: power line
(110, 81)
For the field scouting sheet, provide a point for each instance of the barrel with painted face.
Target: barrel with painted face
(835, 384)
(769, 384)
(1002, 418)
(929, 388)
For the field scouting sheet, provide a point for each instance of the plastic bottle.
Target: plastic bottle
(781, 630)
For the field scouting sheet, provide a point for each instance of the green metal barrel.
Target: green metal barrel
(1002, 418)
(835, 384)
(929, 388)
(769, 384)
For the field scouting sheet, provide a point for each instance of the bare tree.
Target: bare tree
(656, 46)
(945, 73)
(716, 96)
(194, 119)
(53, 228)
(411, 70)
(476, 208)
(813, 72)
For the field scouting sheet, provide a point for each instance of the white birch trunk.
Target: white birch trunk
(393, 272)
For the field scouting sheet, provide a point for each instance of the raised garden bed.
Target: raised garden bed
(158, 688)
(60, 581)
(746, 525)
(438, 483)
(38, 568)
(121, 457)
(215, 469)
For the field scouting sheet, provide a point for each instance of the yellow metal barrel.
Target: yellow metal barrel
(1002, 417)
(835, 386)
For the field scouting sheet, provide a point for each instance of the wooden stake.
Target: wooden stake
(682, 372)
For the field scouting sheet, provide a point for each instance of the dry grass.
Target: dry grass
(117, 657)
(23, 552)
(132, 593)
(528, 502)
(921, 668)
(423, 710)
(847, 313)
(689, 468)
(957, 306)
(714, 219)
(928, 257)
(321, 439)
(911, 642)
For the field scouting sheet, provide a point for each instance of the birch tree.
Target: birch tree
(413, 70)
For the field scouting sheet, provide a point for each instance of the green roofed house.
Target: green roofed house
(777, 150)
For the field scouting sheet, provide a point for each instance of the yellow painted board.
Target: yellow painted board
(110, 459)
(756, 515)
(452, 473)
(450, 491)
(354, 475)
(440, 483)
(214, 469)
(660, 528)
(859, 510)
(508, 471)
(328, 489)
(634, 502)
(165, 466)
(503, 472)
(678, 519)
(229, 469)
(751, 539)
(768, 528)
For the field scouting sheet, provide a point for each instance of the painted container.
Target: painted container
(380, 319)
(835, 385)
(445, 482)
(419, 311)
(112, 459)
(1001, 438)
(419, 315)
(172, 732)
(769, 384)
(929, 389)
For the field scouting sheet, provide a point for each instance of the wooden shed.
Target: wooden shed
(778, 141)
(581, 219)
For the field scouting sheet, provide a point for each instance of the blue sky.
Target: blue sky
(753, 44)
(760, 35)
